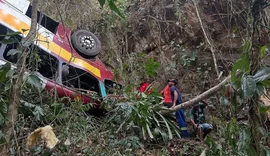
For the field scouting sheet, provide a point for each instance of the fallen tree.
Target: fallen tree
(198, 98)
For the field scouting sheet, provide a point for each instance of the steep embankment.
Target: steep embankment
(168, 30)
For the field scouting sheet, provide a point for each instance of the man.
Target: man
(197, 117)
(145, 87)
(166, 92)
(180, 114)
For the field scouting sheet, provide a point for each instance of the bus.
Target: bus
(66, 60)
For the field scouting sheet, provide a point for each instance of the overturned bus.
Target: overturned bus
(65, 59)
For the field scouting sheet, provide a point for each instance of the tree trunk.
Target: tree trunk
(254, 33)
(17, 81)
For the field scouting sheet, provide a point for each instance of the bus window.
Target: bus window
(12, 58)
(111, 87)
(43, 62)
(3, 31)
(46, 21)
(79, 80)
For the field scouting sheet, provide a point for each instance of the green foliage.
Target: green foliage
(263, 108)
(127, 144)
(248, 86)
(238, 142)
(112, 6)
(242, 64)
(13, 52)
(138, 67)
(35, 110)
(151, 67)
(262, 51)
(101, 2)
(141, 114)
(188, 61)
(34, 79)
(262, 74)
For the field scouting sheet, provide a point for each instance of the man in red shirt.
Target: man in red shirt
(166, 92)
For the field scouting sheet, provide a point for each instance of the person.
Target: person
(197, 117)
(144, 86)
(180, 114)
(167, 99)
(229, 93)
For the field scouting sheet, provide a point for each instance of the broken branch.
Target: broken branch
(200, 97)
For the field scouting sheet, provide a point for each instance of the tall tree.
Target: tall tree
(256, 19)
(15, 95)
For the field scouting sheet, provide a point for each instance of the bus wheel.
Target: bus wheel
(86, 43)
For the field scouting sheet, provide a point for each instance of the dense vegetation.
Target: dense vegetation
(200, 43)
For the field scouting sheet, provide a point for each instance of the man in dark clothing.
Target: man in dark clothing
(197, 117)
(180, 114)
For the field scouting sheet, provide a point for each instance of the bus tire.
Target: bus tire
(86, 43)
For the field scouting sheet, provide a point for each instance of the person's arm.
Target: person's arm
(192, 118)
(162, 92)
(175, 98)
(205, 103)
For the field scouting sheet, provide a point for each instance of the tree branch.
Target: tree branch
(200, 97)
(17, 81)
(212, 49)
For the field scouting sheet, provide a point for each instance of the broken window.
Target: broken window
(43, 62)
(45, 21)
(3, 31)
(111, 87)
(13, 58)
(79, 79)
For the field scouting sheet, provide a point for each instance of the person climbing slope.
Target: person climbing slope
(197, 117)
(180, 114)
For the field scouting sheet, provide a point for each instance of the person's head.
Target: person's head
(172, 82)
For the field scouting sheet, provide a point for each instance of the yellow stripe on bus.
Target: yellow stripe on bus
(53, 47)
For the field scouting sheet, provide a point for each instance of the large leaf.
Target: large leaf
(241, 64)
(149, 131)
(12, 34)
(13, 52)
(266, 83)
(2, 119)
(34, 80)
(9, 41)
(262, 74)
(265, 151)
(3, 71)
(37, 111)
(101, 2)
(244, 140)
(264, 109)
(167, 125)
(114, 8)
(260, 89)
(248, 86)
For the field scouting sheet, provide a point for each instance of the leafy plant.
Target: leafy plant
(245, 83)
(188, 61)
(238, 142)
(141, 113)
(112, 6)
